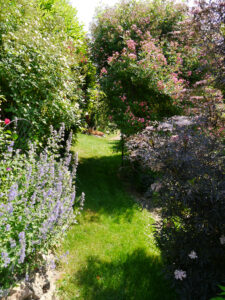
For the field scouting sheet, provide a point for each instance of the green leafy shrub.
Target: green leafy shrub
(40, 68)
(221, 294)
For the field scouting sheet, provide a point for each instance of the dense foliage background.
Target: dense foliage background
(208, 20)
(145, 62)
(45, 71)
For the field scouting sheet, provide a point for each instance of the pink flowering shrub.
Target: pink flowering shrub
(144, 66)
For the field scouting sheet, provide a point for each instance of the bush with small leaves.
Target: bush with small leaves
(41, 72)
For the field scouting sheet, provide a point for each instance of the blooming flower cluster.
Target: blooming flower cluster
(180, 274)
(193, 255)
(37, 204)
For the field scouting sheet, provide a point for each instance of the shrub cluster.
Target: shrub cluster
(44, 68)
(191, 190)
(208, 21)
(144, 61)
(37, 204)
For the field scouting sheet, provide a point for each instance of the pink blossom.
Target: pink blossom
(179, 60)
(134, 27)
(149, 47)
(221, 129)
(160, 85)
(132, 56)
(7, 121)
(174, 138)
(161, 58)
(110, 59)
(131, 45)
(139, 32)
(123, 98)
(174, 77)
(103, 71)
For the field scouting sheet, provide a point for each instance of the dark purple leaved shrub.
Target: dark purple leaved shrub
(191, 190)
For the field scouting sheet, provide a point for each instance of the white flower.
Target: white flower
(180, 274)
(222, 240)
(193, 255)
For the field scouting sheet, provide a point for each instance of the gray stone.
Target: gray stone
(20, 292)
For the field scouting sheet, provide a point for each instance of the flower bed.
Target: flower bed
(37, 204)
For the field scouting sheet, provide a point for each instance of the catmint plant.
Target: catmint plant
(38, 204)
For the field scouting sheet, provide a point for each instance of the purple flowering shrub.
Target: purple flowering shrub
(37, 204)
(191, 192)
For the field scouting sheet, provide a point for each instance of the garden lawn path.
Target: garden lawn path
(112, 253)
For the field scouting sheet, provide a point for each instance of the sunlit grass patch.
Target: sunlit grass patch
(112, 253)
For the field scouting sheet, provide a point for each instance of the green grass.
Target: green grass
(112, 249)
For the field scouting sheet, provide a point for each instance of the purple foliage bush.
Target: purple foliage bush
(208, 21)
(191, 190)
(37, 204)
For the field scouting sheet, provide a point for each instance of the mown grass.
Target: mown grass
(112, 249)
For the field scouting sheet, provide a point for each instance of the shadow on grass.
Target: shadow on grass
(137, 277)
(98, 179)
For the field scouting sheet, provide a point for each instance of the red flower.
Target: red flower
(7, 121)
